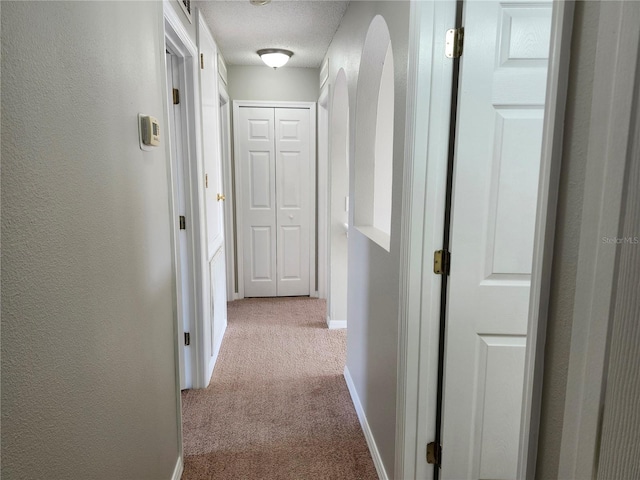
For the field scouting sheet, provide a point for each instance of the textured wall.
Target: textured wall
(568, 222)
(282, 84)
(373, 284)
(88, 369)
(620, 442)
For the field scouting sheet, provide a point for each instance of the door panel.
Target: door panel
(214, 207)
(217, 275)
(293, 204)
(256, 153)
(498, 147)
(211, 144)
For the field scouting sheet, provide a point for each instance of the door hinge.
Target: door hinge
(441, 262)
(187, 338)
(183, 222)
(202, 61)
(434, 453)
(176, 96)
(206, 180)
(453, 42)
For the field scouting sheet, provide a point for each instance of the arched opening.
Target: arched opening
(374, 136)
(338, 202)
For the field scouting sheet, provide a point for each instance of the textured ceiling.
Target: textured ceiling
(304, 27)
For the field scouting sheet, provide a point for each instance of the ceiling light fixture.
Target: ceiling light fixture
(259, 3)
(274, 57)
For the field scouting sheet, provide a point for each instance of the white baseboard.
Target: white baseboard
(333, 324)
(368, 435)
(177, 472)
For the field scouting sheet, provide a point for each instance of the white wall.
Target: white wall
(88, 368)
(384, 149)
(373, 272)
(282, 84)
(339, 191)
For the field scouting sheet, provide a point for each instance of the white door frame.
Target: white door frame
(178, 39)
(237, 104)
(227, 187)
(428, 110)
(323, 188)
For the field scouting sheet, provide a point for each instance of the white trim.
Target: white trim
(227, 185)
(179, 41)
(324, 72)
(614, 81)
(322, 192)
(311, 106)
(366, 429)
(428, 110)
(551, 160)
(177, 27)
(187, 13)
(222, 68)
(172, 37)
(335, 324)
(179, 468)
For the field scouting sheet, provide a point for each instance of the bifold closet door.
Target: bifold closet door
(274, 154)
(293, 189)
(258, 182)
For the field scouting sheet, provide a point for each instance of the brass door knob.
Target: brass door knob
(221, 197)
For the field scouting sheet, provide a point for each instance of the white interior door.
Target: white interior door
(292, 194)
(256, 154)
(499, 133)
(214, 197)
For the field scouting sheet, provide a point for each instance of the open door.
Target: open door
(501, 99)
(215, 282)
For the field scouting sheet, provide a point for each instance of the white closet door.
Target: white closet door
(257, 179)
(293, 190)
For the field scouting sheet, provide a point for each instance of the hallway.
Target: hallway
(277, 406)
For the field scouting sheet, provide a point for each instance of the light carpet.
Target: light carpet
(277, 406)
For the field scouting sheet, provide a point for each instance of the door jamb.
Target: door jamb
(422, 227)
(183, 46)
(322, 191)
(227, 186)
(312, 181)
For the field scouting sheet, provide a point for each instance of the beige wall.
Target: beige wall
(88, 369)
(282, 84)
(374, 273)
(568, 223)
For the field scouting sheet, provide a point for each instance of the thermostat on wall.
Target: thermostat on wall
(149, 130)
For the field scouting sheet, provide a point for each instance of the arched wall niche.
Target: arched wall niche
(373, 175)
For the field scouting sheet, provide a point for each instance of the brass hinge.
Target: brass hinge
(183, 222)
(441, 262)
(202, 60)
(176, 96)
(434, 453)
(453, 42)
(206, 180)
(187, 338)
